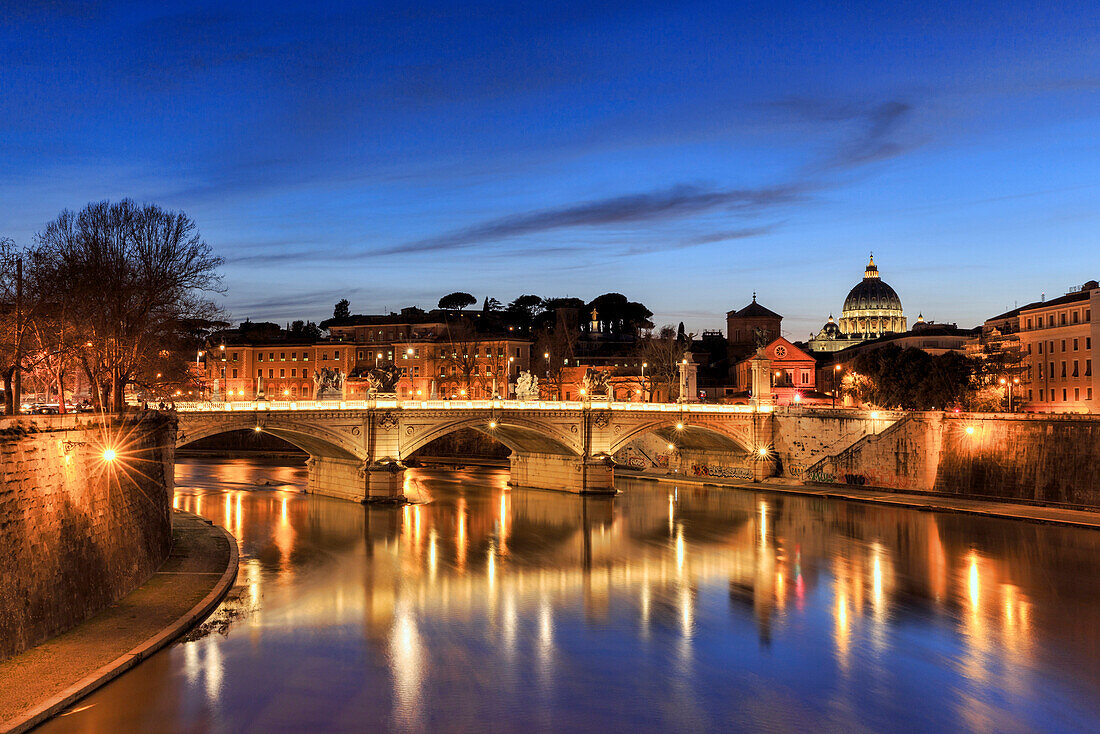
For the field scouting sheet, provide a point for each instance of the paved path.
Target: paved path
(48, 678)
(917, 501)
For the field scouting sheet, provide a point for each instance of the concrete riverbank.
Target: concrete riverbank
(47, 678)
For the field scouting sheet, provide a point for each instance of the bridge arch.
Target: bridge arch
(521, 437)
(315, 440)
(692, 436)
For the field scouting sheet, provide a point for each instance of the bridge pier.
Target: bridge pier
(356, 480)
(576, 474)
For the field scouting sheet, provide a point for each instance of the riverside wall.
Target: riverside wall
(1018, 457)
(77, 533)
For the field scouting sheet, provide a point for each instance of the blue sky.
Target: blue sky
(685, 154)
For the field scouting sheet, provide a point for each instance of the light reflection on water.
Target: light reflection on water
(661, 609)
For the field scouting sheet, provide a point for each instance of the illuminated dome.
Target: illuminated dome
(872, 308)
(830, 330)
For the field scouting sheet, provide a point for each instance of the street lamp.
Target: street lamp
(836, 368)
(511, 360)
(645, 393)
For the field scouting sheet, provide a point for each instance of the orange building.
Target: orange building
(436, 359)
(793, 374)
(1057, 339)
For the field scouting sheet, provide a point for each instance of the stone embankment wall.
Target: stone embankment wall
(77, 533)
(1039, 458)
(801, 437)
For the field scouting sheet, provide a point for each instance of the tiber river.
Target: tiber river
(663, 609)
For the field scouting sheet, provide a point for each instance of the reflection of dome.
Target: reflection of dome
(872, 307)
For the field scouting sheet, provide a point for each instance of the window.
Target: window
(1063, 368)
(259, 356)
(271, 356)
(1063, 345)
(1040, 394)
(359, 354)
(1050, 320)
(1088, 342)
(282, 356)
(1040, 347)
(1062, 318)
(1040, 370)
(235, 356)
(1075, 368)
(305, 356)
(324, 355)
(1076, 316)
(336, 354)
(1050, 374)
(805, 377)
(234, 372)
(1064, 398)
(270, 373)
(1088, 394)
(282, 372)
(1029, 349)
(1029, 323)
(1051, 347)
(416, 370)
(293, 371)
(1076, 393)
(293, 356)
(1075, 345)
(1029, 395)
(1088, 368)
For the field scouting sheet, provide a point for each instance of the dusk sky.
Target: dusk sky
(685, 154)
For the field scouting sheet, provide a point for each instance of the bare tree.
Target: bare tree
(555, 346)
(459, 353)
(128, 276)
(663, 352)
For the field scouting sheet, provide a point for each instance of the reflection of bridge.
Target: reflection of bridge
(356, 448)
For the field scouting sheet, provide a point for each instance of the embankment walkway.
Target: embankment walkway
(46, 679)
(897, 498)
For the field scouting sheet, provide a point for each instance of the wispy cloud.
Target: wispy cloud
(657, 206)
(877, 128)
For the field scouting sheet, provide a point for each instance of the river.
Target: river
(485, 608)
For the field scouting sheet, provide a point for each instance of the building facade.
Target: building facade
(1057, 339)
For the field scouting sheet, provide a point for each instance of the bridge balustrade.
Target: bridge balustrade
(280, 405)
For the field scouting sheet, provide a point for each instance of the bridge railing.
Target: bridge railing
(534, 405)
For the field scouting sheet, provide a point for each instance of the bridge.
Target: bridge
(357, 449)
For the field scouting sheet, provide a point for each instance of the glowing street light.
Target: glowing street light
(109, 455)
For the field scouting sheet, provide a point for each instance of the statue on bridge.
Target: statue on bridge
(328, 384)
(596, 382)
(527, 386)
(383, 380)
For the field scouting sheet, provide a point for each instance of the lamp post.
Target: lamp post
(508, 383)
(645, 393)
(836, 368)
(1010, 384)
(198, 362)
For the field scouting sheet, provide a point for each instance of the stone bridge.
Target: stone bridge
(357, 449)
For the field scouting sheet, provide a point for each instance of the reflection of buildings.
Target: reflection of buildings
(512, 565)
